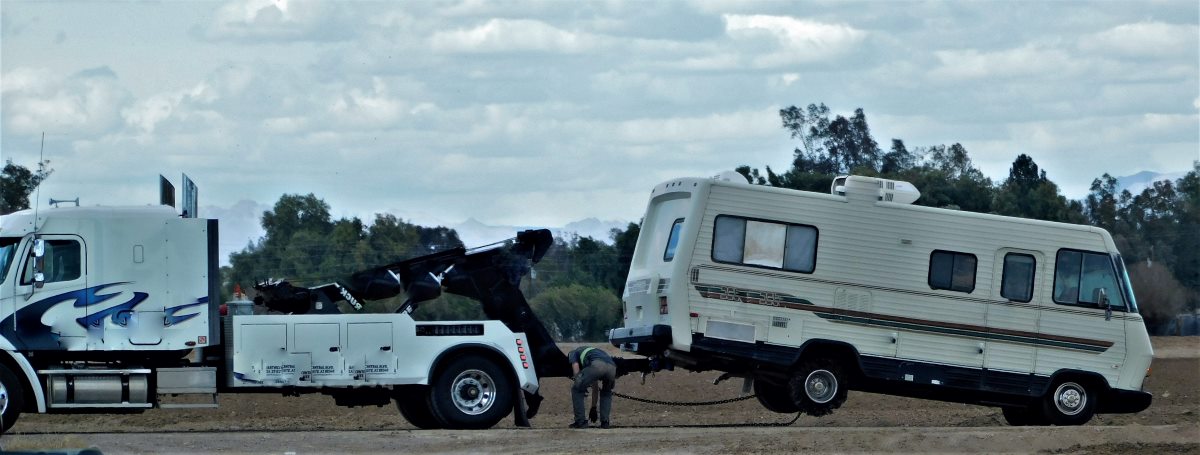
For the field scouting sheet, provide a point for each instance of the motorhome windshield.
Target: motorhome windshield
(1126, 287)
(8, 250)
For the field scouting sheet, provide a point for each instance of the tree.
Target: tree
(18, 182)
(1028, 193)
(578, 313)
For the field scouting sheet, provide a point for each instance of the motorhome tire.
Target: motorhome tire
(471, 392)
(818, 387)
(12, 398)
(413, 403)
(774, 396)
(1069, 403)
(1020, 416)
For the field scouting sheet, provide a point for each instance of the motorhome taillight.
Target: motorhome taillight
(694, 315)
(662, 305)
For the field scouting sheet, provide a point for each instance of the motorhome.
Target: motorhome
(807, 295)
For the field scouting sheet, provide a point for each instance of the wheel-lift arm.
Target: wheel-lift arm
(490, 275)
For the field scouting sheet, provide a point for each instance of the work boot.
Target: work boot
(582, 424)
(605, 425)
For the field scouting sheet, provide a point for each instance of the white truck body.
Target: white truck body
(120, 309)
(923, 301)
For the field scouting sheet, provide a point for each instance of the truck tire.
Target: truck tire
(818, 387)
(775, 397)
(413, 403)
(12, 398)
(1020, 416)
(1069, 403)
(471, 392)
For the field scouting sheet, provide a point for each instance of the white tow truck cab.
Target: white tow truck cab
(115, 308)
(809, 295)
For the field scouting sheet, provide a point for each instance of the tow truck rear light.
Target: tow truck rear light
(662, 305)
(521, 350)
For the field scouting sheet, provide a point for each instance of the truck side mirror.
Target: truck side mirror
(39, 248)
(1100, 297)
(39, 280)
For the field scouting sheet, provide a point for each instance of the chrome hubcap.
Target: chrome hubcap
(1070, 398)
(473, 392)
(3, 398)
(820, 386)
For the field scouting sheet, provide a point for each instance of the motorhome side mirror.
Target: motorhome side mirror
(39, 280)
(39, 248)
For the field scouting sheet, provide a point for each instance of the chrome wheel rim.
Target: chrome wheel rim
(3, 398)
(1070, 398)
(473, 392)
(820, 386)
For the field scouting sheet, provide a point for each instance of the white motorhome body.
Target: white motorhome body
(805, 292)
(115, 308)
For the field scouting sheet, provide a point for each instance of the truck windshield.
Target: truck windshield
(8, 250)
(1126, 287)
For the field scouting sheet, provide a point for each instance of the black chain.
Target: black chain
(712, 403)
(683, 403)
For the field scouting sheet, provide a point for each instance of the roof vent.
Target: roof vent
(731, 176)
(875, 188)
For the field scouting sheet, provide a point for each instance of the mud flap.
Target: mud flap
(520, 416)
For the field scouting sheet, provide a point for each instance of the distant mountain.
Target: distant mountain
(1137, 182)
(474, 233)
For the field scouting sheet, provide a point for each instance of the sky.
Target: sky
(539, 113)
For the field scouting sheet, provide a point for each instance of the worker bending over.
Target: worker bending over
(591, 365)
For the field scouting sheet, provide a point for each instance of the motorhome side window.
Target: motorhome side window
(62, 261)
(1017, 281)
(1080, 277)
(760, 243)
(952, 271)
(673, 240)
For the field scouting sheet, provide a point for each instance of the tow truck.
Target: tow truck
(116, 309)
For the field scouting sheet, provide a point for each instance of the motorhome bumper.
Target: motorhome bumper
(1118, 401)
(642, 339)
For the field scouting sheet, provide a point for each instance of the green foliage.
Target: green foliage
(578, 313)
(18, 182)
(306, 246)
(1027, 193)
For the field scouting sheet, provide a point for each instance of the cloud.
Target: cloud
(796, 41)
(280, 20)
(740, 124)
(1029, 61)
(85, 103)
(1143, 40)
(512, 35)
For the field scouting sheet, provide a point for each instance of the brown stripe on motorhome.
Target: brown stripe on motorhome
(707, 291)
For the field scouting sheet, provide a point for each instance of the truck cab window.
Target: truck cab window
(62, 261)
(673, 240)
(1079, 277)
(8, 251)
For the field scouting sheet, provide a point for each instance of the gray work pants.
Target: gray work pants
(604, 372)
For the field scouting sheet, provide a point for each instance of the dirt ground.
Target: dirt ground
(867, 422)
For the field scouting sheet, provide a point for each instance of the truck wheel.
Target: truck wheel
(413, 403)
(1069, 403)
(818, 387)
(774, 397)
(12, 399)
(471, 392)
(1019, 416)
